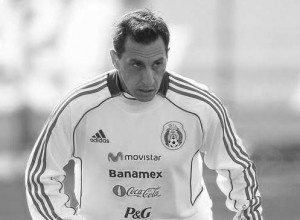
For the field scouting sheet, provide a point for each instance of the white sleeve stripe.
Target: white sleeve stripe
(34, 182)
(235, 151)
(41, 186)
(218, 109)
(27, 178)
(84, 87)
(231, 150)
(32, 186)
(236, 159)
(226, 140)
(213, 100)
(255, 206)
(94, 86)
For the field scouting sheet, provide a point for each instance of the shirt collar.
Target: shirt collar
(115, 88)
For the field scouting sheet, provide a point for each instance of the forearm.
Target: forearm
(252, 212)
(242, 193)
(45, 193)
(237, 179)
(44, 172)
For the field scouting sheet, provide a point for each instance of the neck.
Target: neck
(122, 85)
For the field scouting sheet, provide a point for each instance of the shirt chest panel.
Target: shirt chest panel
(141, 153)
(166, 134)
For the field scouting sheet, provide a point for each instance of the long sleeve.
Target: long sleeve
(44, 173)
(225, 153)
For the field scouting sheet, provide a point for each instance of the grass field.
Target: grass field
(279, 184)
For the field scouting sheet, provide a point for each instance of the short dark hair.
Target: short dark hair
(143, 26)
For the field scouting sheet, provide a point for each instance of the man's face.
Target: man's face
(141, 68)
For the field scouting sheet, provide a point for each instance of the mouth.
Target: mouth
(145, 94)
(146, 91)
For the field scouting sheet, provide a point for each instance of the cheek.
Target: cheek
(160, 74)
(126, 73)
(161, 70)
(131, 79)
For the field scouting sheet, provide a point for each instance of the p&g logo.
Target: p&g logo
(136, 214)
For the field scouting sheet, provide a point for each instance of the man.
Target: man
(135, 134)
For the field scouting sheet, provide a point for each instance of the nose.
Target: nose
(148, 77)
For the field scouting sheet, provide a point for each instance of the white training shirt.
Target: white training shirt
(139, 160)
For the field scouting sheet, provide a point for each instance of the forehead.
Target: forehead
(136, 50)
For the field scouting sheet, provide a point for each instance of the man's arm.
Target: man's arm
(44, 173)
(225, 153)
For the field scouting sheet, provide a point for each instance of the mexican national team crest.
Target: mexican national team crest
(173, 135)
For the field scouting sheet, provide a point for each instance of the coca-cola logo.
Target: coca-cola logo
(132, 191)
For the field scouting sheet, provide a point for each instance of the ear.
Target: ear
(168, 52)
(114, 58)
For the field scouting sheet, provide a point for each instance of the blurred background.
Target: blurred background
(247, 52)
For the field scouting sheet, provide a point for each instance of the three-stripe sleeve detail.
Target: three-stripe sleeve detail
(32, 184)
(37, 166)
(234, 150)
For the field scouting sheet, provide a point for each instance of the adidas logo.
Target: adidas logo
(99, 137)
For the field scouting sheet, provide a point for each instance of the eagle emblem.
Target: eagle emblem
(173, 135)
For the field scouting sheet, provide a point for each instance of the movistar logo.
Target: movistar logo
(112, 157)
(133, 157)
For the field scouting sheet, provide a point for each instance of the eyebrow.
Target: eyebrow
(137, 60)
(149, 54)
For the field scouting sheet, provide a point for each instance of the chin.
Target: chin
(148, 99)
(145, 98)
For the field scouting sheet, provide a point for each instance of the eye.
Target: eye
(157, 63)
(137, 64)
